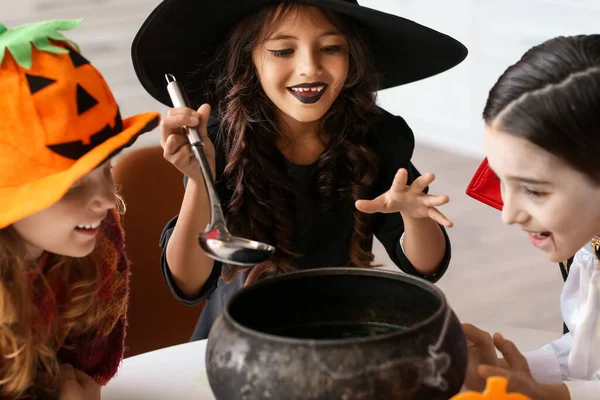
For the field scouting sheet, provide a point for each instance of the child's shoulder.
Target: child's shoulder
(391, 132)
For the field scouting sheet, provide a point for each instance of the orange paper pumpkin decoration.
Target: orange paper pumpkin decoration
(495, 390)
(59, 118)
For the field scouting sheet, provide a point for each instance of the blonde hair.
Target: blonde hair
(28, 346)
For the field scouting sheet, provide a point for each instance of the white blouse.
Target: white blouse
(574, 359)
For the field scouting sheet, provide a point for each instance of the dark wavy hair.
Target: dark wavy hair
(551, 97)
(255, 170)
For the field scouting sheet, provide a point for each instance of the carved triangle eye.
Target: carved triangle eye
(37, 83)
(77, 59)
(85, 101)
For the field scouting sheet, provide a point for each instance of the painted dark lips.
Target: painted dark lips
(308, 93)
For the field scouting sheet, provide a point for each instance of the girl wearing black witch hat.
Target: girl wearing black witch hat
(303, 157)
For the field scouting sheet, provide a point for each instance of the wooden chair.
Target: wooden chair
(153, 190)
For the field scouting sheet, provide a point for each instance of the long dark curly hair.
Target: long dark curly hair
(255, 170)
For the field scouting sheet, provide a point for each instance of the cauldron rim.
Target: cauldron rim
(416, 281)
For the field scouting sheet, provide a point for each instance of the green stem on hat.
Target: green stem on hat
(19, 40)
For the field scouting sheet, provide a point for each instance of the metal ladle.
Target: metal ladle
(216, 241)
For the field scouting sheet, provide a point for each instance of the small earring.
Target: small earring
(596, 247)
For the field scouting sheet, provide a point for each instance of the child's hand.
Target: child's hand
(481, 351)
(520, 379)
(175, 144)
(408, 200)
(77, 385)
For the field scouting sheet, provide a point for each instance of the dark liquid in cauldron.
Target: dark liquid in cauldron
(337, 330)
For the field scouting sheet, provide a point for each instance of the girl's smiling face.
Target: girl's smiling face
(555, 204)
(70, 226)
(302, 65)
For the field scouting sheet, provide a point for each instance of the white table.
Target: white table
(172, 373)
(179, 372)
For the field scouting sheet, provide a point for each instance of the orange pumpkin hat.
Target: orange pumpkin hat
(59, 119)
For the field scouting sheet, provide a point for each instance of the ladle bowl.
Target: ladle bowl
(222, 246)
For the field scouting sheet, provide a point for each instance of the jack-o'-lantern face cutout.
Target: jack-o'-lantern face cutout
(80, 112)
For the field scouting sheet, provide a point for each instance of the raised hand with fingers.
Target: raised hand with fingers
(175, 144)
(408, 200)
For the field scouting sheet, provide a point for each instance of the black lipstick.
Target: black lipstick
(308, 93)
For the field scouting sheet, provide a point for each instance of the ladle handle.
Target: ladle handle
(197, 144)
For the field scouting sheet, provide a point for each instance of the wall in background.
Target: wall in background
(444, 111)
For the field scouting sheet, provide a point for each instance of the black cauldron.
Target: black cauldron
(337, 333)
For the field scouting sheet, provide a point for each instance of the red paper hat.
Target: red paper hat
(485, 186)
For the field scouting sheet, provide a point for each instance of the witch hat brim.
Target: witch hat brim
(180, 35)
